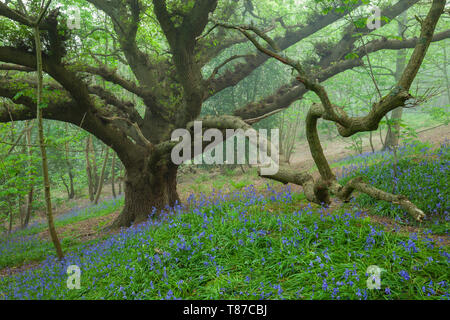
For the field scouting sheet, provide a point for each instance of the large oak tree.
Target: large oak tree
(169, 80)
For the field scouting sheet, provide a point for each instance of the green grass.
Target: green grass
(250, 248)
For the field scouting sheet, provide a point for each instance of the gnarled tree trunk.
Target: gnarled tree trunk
(147, 187)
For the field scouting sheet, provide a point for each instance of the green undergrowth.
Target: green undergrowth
(273, 247)
(250, 244)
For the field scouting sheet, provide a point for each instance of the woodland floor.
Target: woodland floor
(93, 228)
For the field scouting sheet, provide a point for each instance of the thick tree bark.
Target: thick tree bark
(316, 112)
(147, 187)
(316, 192)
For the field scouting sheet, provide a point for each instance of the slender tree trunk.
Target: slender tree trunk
(94, 169)
(65, 185)
(89, 172)
(10, 216)
(371, 141)
(393, 133)
(48, 200)
(29, 207)
(113, 175)
(102, 175)
(71, 186)
(381, 136)
(71, 191)
(21, 212)
(444, 71)
(119, 182)
(31, 189)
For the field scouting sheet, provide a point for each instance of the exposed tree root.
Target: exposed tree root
(314, 192)
(319, 191)
(401, 200)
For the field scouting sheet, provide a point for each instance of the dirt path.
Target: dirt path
(85, 230)
(8, 271)
(82, 231)
(80, 202)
